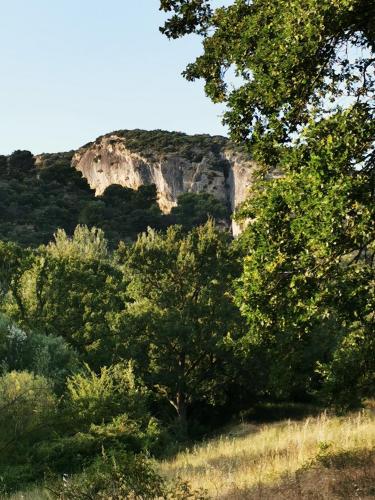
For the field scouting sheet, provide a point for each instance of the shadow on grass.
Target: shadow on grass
(247, 423)
(274, 412)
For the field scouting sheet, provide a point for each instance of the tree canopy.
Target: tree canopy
(291, 58)
(302, 98)
(181, 312)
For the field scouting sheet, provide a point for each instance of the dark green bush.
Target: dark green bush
(46, 355)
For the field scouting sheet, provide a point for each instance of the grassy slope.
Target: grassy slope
(318, 458)
(306, 459)
(33, 494)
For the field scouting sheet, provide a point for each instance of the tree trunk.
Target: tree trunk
(181, 409)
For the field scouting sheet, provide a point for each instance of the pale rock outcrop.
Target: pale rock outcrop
(239, 180)
(225, 173)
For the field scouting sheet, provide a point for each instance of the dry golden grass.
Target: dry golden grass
(346, 476)
(32, 494)
(251, 459)
(318, 458)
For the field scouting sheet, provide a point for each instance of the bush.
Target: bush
(120, 476)
(195, 209)
(21, 162)
(101, 411)
(96, 398)
(26, 406)
(46, 355)
(349, 377)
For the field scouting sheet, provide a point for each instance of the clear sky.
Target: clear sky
(74, 69)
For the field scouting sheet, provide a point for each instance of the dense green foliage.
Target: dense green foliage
(308, 280)
(290, 57)
(304, 102)
(181, 314)
(28, 408)
(114, 476)
(68, 288)
(35, 202)
(123, 213)
(50, 356)
(126, 341)
(194, 209)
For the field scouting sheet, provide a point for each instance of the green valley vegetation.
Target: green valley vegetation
(129, 334)
(112, 350)
(110, 356)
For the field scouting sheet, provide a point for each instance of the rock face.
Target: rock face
(176, 163)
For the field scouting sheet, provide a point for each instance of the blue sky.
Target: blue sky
(74, 69)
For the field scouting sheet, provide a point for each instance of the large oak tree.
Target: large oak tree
(303, 101)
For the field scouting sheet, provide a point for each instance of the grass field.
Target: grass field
(282, 460)
(317, 458)
(34, 494)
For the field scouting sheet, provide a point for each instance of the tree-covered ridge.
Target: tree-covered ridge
(40, 195)
(34, 202)
(161, 143)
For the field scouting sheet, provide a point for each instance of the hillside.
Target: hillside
(323, 457)
(122, 183)
(317, 458)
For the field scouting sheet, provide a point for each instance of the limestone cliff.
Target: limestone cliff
(176, 163)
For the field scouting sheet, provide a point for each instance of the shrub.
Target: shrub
(195, 209)
(46, 355)
(96, 398)
(26, 405)
(21, 162)
(101, 411)
(350, 376)
(120, 476)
